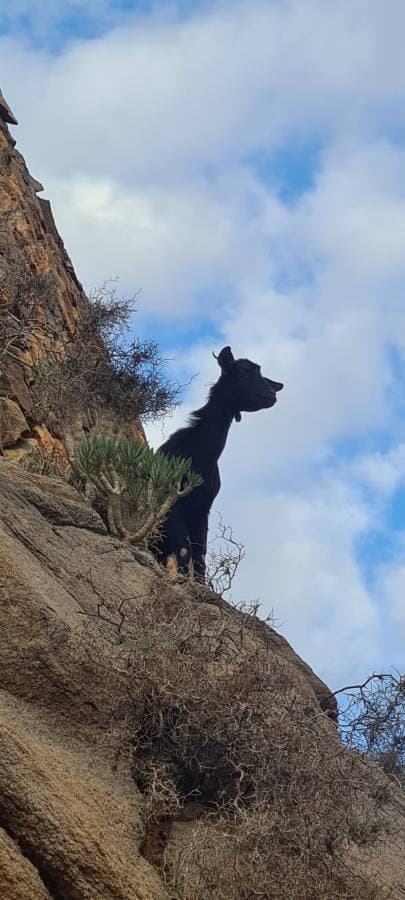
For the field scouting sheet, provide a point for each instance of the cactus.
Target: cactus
(133, 478)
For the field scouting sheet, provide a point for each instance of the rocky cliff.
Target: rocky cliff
(155, 742)
(39, 289)
(30, 250)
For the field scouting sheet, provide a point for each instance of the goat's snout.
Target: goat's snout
(274, 386)
(272, 389)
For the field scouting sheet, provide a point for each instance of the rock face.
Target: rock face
(12, 422)
(28, 234)
(73, 823)
(30, 250)
(33, 256)
(70, 817)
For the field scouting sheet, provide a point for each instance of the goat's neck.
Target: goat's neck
(215, 422)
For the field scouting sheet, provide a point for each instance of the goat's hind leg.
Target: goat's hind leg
(198, 538)
(174, 548)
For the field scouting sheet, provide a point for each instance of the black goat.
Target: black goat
(240, 388)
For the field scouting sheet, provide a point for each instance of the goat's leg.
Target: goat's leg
(173, 547)
(198, 539)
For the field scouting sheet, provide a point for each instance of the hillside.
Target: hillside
(155, 741)
(89, 639)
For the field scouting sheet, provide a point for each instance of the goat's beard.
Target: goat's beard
(237, 417)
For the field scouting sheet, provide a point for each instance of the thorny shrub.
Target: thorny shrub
(372, 719)
(103, 367)
(221, 727)
(224, 556)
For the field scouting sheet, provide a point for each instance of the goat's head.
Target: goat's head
(244, 386)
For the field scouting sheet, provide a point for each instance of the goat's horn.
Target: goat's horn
(214, 355)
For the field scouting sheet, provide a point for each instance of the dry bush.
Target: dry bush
(224, 556)
(372, 719)
(248, 856)
(102, 368)
(221, 726)
(51, 464)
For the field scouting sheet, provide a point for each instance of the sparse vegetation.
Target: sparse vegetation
(102, 367)
(50, 464)
(222, 731)
(224, 556)
(372, 719)
(22, 292)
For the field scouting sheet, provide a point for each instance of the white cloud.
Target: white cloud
(383, 473)
(301, 563)
(155, 142)
(393, 587)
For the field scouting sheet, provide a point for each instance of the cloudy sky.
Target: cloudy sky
(242, 162)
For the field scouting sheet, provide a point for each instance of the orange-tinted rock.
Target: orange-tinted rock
(52, 448)
(30, 243)
(14, 384)
(32, 240)
(12, 422)
(135, 431)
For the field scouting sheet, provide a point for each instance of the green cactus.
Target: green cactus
(133, 477)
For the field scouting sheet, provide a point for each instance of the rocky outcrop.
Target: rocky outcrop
(38, 279)
(5, 112)
(73, 823)
(31, 250)
(29, 234)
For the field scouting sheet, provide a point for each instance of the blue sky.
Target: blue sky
(56, 24)
(243, 164)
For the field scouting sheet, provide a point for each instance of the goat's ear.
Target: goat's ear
(225, 359)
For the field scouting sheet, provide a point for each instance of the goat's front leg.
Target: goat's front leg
(198, 540)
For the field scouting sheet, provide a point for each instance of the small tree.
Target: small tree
(138, 484)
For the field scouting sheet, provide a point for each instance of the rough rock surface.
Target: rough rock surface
(5, 112)
(30, 242)
(32, 237)
(72, 822)
(12, 422)
(71, 818)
